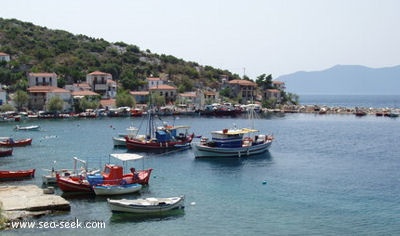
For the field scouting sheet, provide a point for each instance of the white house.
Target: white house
(4, 57)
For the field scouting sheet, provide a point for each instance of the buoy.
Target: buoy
(193, 203)
(264, 182)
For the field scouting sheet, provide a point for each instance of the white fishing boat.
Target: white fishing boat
(234, 142)
(120, 140)
(105, 189)
(146, 205)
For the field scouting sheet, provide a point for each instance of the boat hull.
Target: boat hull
(16, 143)
(116, 189)
(20, 174)
(6, 152)
(137, 144)
(203, 151)
(73, 184)
(146, 205)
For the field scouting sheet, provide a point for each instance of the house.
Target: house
(278, 85)
(274, 94)
(166, 91)
(243, 88)
(4, 57)
(141, 97)
(42, 79)
(102, 83)
(154, 82)
(40, 95)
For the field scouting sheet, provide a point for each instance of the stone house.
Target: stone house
(243, 88)
(102, 83)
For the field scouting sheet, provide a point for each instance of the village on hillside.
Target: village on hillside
(102, 87)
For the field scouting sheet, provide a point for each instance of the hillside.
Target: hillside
(38, 49)
(345, 80)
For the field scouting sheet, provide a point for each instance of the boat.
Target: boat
(75, 181)
(6, 152)
(18, 174)
(149, 205)
(27, 128)
(10, 142)
(120, 140)
(161, 138)
(108, 189)
(114, 181)
(233, 143)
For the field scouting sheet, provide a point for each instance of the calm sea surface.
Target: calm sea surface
(324, 175)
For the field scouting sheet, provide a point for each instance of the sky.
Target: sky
(251, 37)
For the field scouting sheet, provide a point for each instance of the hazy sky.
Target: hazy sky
(253, 37)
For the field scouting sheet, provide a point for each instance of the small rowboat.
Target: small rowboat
(146, 205)
(18, 174)
(116, 189)
(15, 143)
(5, 152)
(27, 128)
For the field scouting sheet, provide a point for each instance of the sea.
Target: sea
(329, 174)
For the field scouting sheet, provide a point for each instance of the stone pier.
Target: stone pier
(18, 202)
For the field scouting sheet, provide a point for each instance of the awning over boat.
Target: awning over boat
(236, 131)
(126, 156)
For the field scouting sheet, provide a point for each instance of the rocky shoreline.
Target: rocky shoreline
(317, 109)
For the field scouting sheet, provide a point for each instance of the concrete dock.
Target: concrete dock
(18, 202)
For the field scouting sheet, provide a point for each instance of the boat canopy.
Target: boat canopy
(126, 156)
(236, 131)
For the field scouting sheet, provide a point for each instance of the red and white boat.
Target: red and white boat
(18, 174)
(75, 182)
(10, 142)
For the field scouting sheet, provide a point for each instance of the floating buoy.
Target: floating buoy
(264, 182)
(193, 203)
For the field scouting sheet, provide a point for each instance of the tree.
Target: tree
(55, 104)
(20, 99)
(6, 107)
(264, 82)
(124, 99)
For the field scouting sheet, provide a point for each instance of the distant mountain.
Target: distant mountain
(345, 80)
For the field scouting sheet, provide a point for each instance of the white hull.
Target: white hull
(116, 189)
(146, 205)
(119, 141)
(206, 151)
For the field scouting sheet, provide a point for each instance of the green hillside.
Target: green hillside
(39, 49)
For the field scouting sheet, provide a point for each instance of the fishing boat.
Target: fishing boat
(161, 138)
(27, 128)
(10, 142)
(76, 181)
(114, 181)
(234, 142)
(146, 205)
(120, 140)
(108, 189)
(6, 152)
(18, 174)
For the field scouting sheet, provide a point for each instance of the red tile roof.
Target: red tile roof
(142, 93)
(242, 82)
(163, 87)
(41, 89)
(43, 74)
(99, 73)
(153, 79)
(84, 93)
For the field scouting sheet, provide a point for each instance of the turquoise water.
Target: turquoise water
(324, 175)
